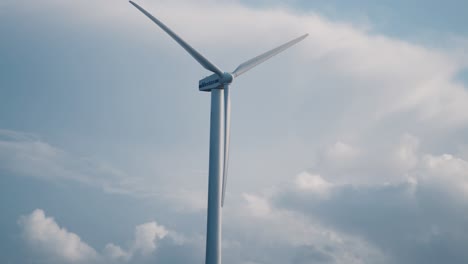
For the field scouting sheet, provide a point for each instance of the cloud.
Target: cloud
(115, 252)
(395, 76)
(257, 205)
(147, 239)
(287, 236)
(26, 155)
(388, 75)
(56, 244)
(348, 225)
(312, 183)
(447, 172)
(147, 236)
(349, 87)
(44, 235)
(341, 151)
(416, 217)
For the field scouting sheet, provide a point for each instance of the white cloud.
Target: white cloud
(115, 252)
(287, 236)
(341, 151)
(58, 245)
(404, 217)
(446, 171)
(147, 236)
(406, 153)
(313, 183)
(46, 236)
(258, 206)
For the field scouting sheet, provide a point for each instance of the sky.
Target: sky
(349, 147)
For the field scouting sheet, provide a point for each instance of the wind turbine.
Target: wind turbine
(218, 84)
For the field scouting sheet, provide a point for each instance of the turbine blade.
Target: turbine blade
(265, 56)
(227, 133)
(195, 54)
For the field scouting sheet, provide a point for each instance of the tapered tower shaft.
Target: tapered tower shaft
(215, 174)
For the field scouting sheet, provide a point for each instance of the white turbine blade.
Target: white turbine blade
(195, 54)
(265, 56)
(227, 133)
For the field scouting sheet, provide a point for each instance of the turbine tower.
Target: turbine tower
(218, 84)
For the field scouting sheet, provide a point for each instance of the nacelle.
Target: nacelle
(214, 82)
(208, 83)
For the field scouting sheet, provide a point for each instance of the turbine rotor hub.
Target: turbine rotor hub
(227, 78)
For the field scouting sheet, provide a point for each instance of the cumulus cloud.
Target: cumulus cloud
(412, 219)
(312, 183)
(44, 235)
(115, 252)
(415, 214)
(147, 236)
(56, 244)
(288, 236)
(445, 171)
(147, 239)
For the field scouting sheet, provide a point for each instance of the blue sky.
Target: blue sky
(348, 148)
(399, 18)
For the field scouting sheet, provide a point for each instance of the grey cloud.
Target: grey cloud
(274, 234)
(420, 220)
(27, 155)
(309, 254)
